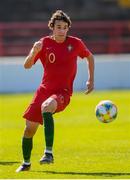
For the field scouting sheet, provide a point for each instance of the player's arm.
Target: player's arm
(29, 61)
(90, 82)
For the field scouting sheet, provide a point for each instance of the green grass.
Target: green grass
(83, 148)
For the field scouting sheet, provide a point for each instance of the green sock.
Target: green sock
(27, 148)
(48, 130)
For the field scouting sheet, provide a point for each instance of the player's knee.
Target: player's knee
(29, 132)
(49, 106)
(45, 107)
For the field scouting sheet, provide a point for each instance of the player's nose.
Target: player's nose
(62, 31)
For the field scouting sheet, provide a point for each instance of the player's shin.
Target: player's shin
(48, 131)
(27, 145)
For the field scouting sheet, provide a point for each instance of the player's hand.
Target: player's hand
(89, 87)
(37, 47)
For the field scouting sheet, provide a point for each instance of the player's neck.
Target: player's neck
(59, 39)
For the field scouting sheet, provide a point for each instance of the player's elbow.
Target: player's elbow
(28, 62)
(27, 66)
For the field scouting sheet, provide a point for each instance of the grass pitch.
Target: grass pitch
(83, 148)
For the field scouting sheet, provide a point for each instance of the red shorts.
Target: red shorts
(33, 112)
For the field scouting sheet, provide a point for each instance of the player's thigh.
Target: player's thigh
(49, 105)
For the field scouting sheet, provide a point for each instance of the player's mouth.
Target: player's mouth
(61, 35)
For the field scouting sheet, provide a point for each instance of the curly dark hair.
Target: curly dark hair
(59, 15)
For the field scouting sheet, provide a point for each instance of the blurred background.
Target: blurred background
(103, 24)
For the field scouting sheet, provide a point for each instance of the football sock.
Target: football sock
(48, 131)
(27, 145)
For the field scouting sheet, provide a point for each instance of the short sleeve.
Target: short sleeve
(83, 50)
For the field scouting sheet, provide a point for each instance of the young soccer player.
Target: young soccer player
(58, 54)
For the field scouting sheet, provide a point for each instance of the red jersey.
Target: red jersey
(59, 61)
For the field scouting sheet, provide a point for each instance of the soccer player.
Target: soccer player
(58, 55)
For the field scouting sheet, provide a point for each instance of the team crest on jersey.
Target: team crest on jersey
(70, 47)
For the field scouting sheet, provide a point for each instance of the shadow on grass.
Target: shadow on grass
(104, 174)
(8, 163)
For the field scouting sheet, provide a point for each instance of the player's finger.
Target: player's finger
(88, 91)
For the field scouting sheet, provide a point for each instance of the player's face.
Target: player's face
(60, 31)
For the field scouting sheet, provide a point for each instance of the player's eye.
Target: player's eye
(65, 27)
(62, 28)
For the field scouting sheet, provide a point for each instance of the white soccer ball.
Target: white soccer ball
(106, 111)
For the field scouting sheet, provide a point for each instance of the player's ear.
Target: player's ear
(52, 28)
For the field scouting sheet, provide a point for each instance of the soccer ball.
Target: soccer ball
(106, 111)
